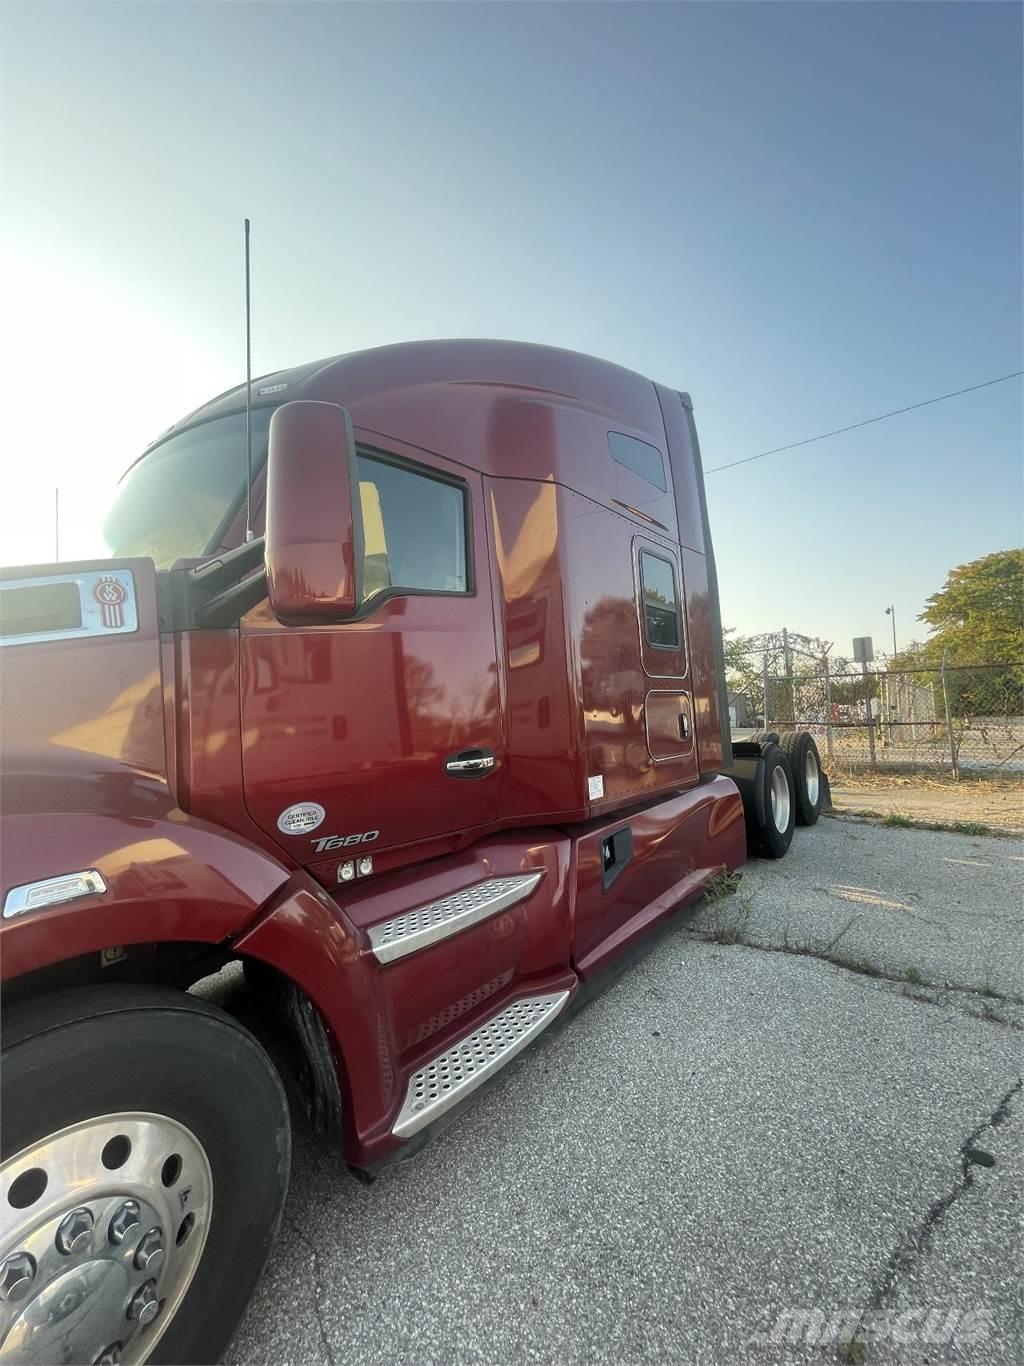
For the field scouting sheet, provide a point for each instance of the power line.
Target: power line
(866, 423)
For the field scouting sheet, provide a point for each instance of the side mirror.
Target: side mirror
(311, 528)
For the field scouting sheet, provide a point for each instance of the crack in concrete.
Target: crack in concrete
(733, 936)
(916, 1241)
(318, 1288)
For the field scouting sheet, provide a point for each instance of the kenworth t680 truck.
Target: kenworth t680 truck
(429, 752)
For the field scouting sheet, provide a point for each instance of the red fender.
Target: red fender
(168, 877)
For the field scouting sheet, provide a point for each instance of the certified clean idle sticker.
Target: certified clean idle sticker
(595, 788)
(301, 818)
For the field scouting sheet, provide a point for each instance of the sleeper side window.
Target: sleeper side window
(640, 457)
(414, 529)
(660, 601)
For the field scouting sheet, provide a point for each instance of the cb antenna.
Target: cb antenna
(248, 393)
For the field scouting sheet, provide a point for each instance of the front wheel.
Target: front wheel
(146, 1151)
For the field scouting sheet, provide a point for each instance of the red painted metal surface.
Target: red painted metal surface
(703, 674)
(678, 844)
(668, 719)
(168, 877)
(206, 734)
(385, 1020)
(94, 695)
(88, 726)
(361, 716)
(538, 665)
(167, 764)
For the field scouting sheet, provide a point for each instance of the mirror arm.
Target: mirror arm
(188, 599)
(228, 608)
(228, 568)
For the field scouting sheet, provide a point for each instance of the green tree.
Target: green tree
(977, 617)
(743, 669)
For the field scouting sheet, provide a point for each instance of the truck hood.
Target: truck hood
(82, 701)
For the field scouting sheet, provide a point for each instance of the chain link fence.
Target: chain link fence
(953, 719)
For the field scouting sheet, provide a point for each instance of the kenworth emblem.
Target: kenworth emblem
(301, 818)
(111, 595)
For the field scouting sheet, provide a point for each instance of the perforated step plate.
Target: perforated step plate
(450, 1077)
(425, 925)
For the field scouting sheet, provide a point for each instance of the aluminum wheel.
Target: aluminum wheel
(811, 778)
(102, 1226)
(780, 799)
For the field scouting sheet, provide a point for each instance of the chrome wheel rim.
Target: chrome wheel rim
(102, 1226)
(780, 799)
(811, 777)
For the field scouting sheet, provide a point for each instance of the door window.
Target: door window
(414, 530)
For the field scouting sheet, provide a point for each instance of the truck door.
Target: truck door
(668, 703)
(389, 722)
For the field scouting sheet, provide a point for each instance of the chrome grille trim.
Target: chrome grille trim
(414, 930)
(453, 1075)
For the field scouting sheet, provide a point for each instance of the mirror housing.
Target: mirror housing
(311, 527)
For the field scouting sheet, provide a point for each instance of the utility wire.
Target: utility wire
(866, 423)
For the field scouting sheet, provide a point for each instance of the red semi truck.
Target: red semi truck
(429, 753)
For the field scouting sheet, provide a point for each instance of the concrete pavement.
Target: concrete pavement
(728, 1134)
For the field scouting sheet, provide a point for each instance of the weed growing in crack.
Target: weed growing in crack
(852, 1350)
(722, 885)
(964, 828)
(731, 928)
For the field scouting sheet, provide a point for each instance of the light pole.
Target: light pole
(890, 611)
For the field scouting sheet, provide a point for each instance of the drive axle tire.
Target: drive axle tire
(805, 766)
(145, 1160)
(774, 839)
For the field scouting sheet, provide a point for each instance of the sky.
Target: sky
(804, 214)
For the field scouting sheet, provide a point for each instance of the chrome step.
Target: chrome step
(425, 925)
(453, 1075)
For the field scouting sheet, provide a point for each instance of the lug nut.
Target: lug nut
(144, 1305)
(16, 1276)
(149, 1255)
(124, 1222)
(74, 1231)
(110, 1356)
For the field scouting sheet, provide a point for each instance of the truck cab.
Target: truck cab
(402, 685)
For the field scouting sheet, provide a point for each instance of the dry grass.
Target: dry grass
(975, 805)
(932, 780)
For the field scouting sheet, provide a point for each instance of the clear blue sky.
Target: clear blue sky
(803, 213)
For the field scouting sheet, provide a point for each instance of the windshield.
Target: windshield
(177, 501)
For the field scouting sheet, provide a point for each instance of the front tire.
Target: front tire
(145, 1160)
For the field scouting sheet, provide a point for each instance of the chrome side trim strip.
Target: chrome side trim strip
(455, 1074)
(52, 891)
(414, 930)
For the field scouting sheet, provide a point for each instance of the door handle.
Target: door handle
(684, 726)
(469, 763)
